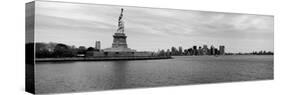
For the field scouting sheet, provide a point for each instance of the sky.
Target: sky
(151, 29)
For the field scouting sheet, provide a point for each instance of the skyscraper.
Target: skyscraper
(180, 50)
(221, 49)
(212, 50)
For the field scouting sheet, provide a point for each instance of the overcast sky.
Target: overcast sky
(150, 29)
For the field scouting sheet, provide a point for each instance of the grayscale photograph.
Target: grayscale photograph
(78, 47)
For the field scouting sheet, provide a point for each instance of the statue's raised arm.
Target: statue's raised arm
(120, 23)
(121, 15)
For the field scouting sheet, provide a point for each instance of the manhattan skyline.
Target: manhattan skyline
(150, 29)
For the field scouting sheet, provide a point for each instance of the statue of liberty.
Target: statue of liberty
(120, 23)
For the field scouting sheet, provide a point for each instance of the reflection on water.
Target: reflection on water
(103, 75)
(119, 73)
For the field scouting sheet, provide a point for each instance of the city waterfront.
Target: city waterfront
(56, 77)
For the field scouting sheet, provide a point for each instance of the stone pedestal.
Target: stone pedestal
(119, 44)
(119, 40)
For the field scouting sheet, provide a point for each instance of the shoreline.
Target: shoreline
(100, 58)
(118, 58)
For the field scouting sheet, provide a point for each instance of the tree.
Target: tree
(82, 50)
(62, 50)
(90, 49)
(42, 51)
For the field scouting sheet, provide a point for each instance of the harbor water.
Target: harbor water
(57, 77)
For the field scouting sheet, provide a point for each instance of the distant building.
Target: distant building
(180, 50)
(190, 51)
(195, 52)
(168, 52)
(200, 51)
(185, 52)
(174, 51)
(98, 45)
(205, 49)
(216, 51)
(212, 50)
(221, 50)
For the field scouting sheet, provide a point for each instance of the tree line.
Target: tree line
(58, 50)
